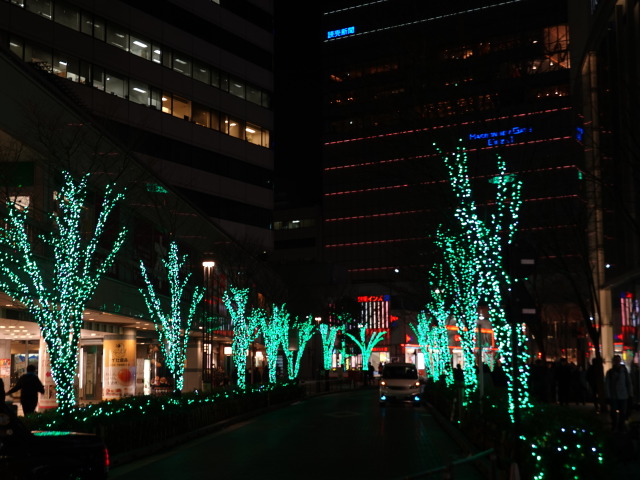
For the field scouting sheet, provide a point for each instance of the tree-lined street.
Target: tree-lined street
(345, 435)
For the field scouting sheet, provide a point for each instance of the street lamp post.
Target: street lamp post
(207, 326)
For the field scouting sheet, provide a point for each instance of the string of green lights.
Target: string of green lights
(173, 327)
(56, 295)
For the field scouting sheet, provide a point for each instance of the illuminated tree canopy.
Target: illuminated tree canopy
(56, 295)
(173, 326)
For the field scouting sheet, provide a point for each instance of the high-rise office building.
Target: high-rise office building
(187, 86)
(170, 100)
(404, 78)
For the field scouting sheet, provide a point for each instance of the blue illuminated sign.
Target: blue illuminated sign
(502, 137)
(341, 32)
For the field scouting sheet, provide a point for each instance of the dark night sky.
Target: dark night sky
(298, 102)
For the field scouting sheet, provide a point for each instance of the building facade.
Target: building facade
(402, 81)
(187, 87)
(605, 79)
(171, 102)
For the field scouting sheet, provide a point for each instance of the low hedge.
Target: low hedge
(131, 422)
(550, 442)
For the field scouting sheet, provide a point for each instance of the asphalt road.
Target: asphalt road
(337, 436)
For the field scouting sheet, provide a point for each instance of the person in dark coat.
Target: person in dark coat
(2, 394)
(29, 385)
(617, 387)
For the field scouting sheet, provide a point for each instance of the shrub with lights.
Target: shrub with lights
(560, 444)
(56, 295)
(174, 325)
(134, 422)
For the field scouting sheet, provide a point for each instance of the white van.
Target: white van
(400, 382)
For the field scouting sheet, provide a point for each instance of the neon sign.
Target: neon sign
(502, 137)
(341, 32)
(373, 298)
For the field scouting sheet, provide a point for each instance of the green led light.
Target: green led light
(366, 346)
(57, 296)
(328, 334)
(245, 328)
(473, 271)
(173, 326)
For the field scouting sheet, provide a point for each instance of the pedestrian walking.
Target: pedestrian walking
(563, 381)
(595, 375)
(2, 394)
(29, 385)
(617, 386)
(370, 373)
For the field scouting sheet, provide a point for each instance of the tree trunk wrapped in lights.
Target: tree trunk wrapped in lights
(489, 238)
(328, 334)
(433, 338)
(366, 346)
(274, 328)
(173, 327)
(57, 296)
(245, 326)
(305, 329)
(463, 286)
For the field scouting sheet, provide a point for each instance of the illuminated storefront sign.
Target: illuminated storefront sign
(373, 298)
(341, 32)
(501, 137)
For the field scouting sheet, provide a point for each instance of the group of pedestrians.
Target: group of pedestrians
(29, 386)
(566, 383)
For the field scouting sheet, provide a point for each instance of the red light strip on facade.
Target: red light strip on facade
(376, 269)
(377, 215)
(375, 242)
(373, 189)
(451, 125)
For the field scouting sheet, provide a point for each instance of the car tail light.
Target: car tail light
(107, 460)
(382, 382)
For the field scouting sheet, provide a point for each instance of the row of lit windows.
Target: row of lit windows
(293, 224)
(138, 92)
(434, 110)
(72, 17)
(555, 39)
(555, 55)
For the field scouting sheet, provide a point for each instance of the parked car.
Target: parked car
(400, 382)
(26, 455)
